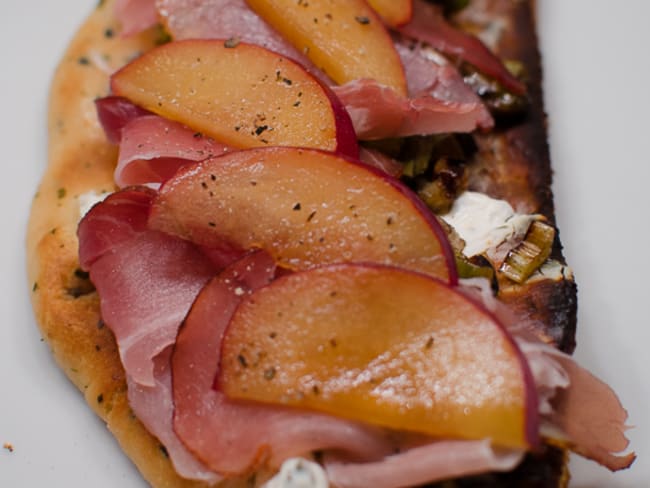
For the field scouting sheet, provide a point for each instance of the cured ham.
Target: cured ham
(114, 113)
(153, 148)
(424, 464)
(231, 437)
(587, 415)
(378, 112)
(429, 25)
(222, 19)
(379, 160)
(439, 100)
(578, 409)
(143, 301)
(135, 15)
(120, 217)
(154, 408)
(227, 19)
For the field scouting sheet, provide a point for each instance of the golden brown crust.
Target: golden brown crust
(64, 302)
(513, 163)
(80, 160)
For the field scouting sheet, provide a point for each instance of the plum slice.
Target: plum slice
(384, 346)
(306, 208)
(239, 94)
(344, 38)
(394, 13)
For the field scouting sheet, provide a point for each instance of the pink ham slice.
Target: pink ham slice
(577, 408)
(143, 301)
(153, 148)
(379, 160)
(119, 218)
(378, 112)
(227, 19)
(154, 408)
(222, 19)
(232, 438)
(429, 25)
(114, 113)
(135, 15)
(586, 414)
(439, 100)
(425, 464)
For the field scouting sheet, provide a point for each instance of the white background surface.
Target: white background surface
(598, 97)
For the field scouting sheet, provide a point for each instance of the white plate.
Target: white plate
(595, 60)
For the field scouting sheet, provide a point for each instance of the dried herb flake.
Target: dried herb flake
(269, 374)
(231, 43)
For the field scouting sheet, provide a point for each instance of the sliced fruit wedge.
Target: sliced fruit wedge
(384, 346)
(239, 94)
(344, 38)
(394, 13)
(306, 208)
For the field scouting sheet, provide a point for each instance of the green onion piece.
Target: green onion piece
(528, 256)
(436, 196)
(516, 68)
(467, 269)
(422, 148)
(440, 189)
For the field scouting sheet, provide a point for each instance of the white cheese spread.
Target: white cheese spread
(484, 223)
(88, 200)
(551, 270)
(299, 473)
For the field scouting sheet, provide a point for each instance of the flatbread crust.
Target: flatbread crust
(66, 305)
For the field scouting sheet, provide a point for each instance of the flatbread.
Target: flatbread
(64, 301)
(81, 160)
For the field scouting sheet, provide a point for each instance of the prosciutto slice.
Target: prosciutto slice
(382, 162)
(221, 19)
(114, 113)
(378, 112)
(135, 15)
(146, 280)
(232, 437)
(439, 100)
(227, 19)
(424, 464)
(119, 218)
(429, 25)
(576, 408)
(586, 414)
(154, 408)
(153, 148)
